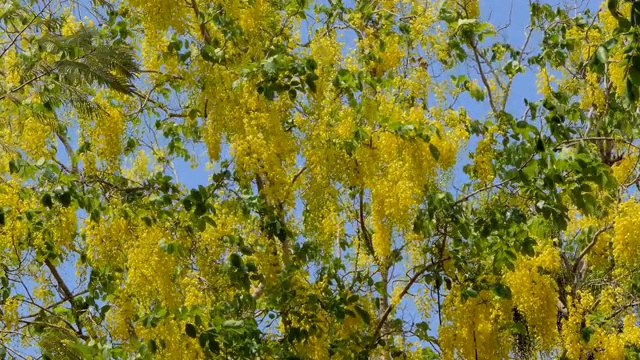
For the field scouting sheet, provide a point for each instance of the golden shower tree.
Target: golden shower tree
(294, 179)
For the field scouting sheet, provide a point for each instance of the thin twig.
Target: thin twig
(483, 77)
(13, 41)
(472, 194)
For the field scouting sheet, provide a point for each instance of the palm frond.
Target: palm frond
(87, 59)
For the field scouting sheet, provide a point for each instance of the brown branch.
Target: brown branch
(48, 307)
(13, 41)
(406, 289)
(483, 77)
(69, 150)
(363, 227)
(34, 79)
(520, 57)
(296, 176)
(177, 77)
(66, 294)
(203, 27)
(595, 138)
(62, 287)
(472, 194)
(617, 312)
(586, 250)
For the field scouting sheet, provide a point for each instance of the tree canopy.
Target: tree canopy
(340, 179)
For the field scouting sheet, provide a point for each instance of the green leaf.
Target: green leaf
(586, 333)
(212, 54)
(469, 293)
(153, 347)
(202, 339)
(512, 68)
(502, 291)
(59, 310)
(47, 200)
(612, 5)
(364, 315)
(214, 346)
(634, 75)
(462, 22)
(405, 28)
(311, 64)
(64, 198)
(539, 144)
(528, 246)
(191, 330)
(631, 92)
(476, 93)
(434, 152)
(14, 166)
(610, 44)
(233, 324)
(519, 328)
(235, 260)
(602, 55)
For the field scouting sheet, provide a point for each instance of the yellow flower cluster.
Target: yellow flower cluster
(10, 314)
(626, 238)
(572, 340)
(472, 328)
(593, 94)
(544, 81)
(423, 17)
(108, 130)
(535, 294)
(105, 240)
(325, 50)
(618, 72)
(119, 317)
(11, 64)
(149, 268)
(386, 48)
(194, 295)
(64, 227)
(14, 228)
(70, 26)
(604, 341)
(250, 15)
(631, 330)
(624, 170)
(35, 137)
(268, 259)
(163, 14)
(470, 9)
(609, 22)
(482, 166)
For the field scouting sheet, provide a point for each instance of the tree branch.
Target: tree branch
(586, 250)
(483, 77)
(203, 27)
(406, 289)
(13, 41)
